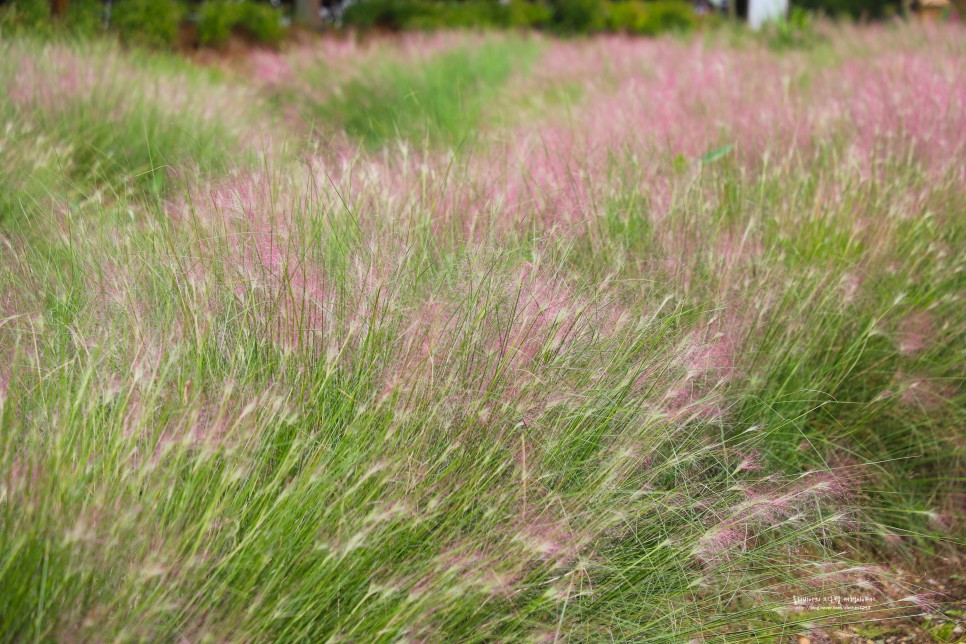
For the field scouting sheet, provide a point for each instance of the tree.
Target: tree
(58, 7)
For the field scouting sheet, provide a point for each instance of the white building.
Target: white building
(762, 11)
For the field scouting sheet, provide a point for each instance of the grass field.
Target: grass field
(483, 337)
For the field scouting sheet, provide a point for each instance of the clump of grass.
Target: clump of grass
(108, 125)
(419, 463)
(441, 100)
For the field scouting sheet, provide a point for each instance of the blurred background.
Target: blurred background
(187, 24)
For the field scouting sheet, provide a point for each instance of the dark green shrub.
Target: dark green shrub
(26, 15)
(425, 14)
(650, 18)
(216, 20)
(795, 32)
(564, 16)
(623, 17)
(153, 23)
(853, 8)
(578, 16)
(85, 17)
(367, 14)
(522, 13)
(667, 15)
(262, 22)
(475, 14)
(466, 15)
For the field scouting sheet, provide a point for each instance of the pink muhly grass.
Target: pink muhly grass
(838, 484)
(924, 602)
(543, 316)
(926, 114)
(247, 196)
(663, 99)
(211, 425)
(767, 503)
(750, 461)
(667, 103)
(551, 539)
(491, 572)
(542, 178)
(4, 386)
(425, 344)
(712, 358)
(922, 392)
(915, 333)
(720, 542)
(270, 67)
(49, 82)
(688, 403)
(253, 221)
(709, 360)
(851, 284)
(61, 77)
(25, 476)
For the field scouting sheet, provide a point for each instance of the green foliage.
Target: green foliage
(669, 15)
(107, 135)
(139, 149)
(367, 14)
(523, 13)
(432, 15)
(651, 18)
(456, 15)
(151, 23)
(386, 14)
(26, 15)
(561, 16)
(218, 19)
(853, 8)
(624, 17)
(262, 22)
(578, 16)
(794, 33)
(85, 17)
(441, 100)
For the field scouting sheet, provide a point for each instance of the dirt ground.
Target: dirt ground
(942, 618)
